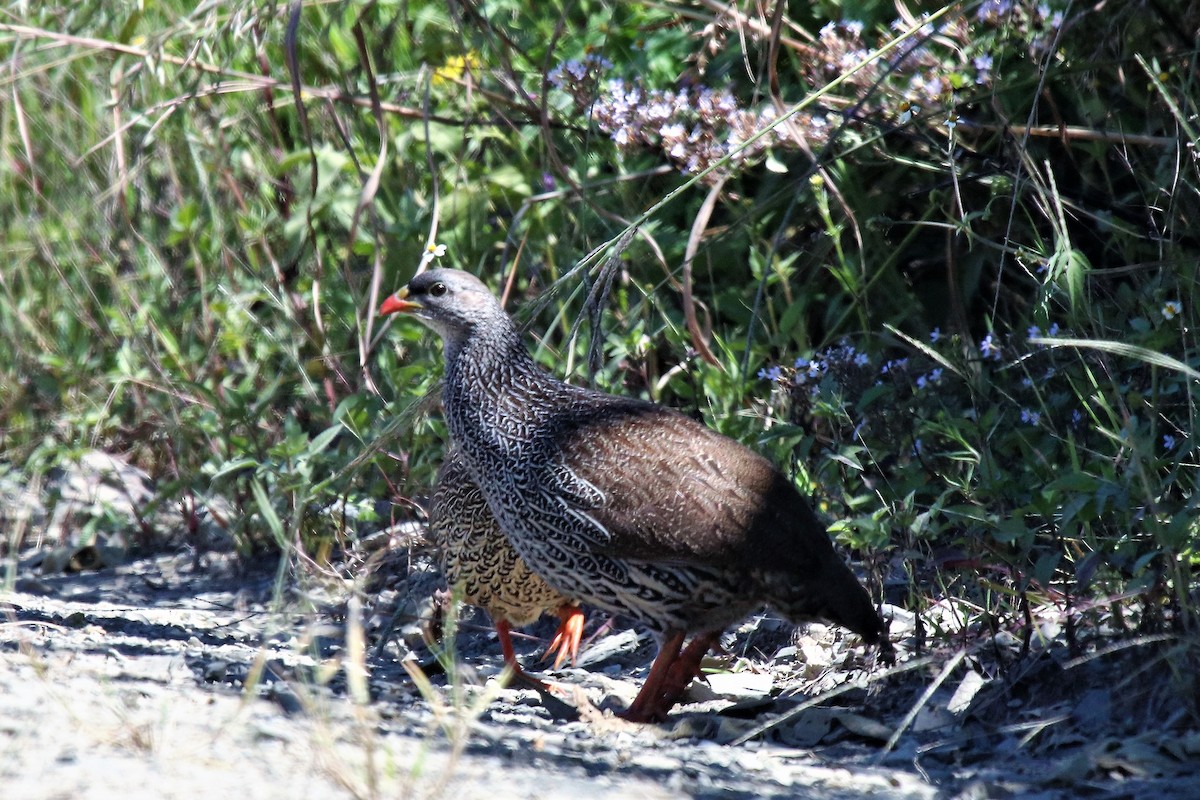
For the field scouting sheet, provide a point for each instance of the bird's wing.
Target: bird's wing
(659, 486)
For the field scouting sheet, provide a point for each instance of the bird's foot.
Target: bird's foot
(566, 640)
(556, 697)
(668, 680)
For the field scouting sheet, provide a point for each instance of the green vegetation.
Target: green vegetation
(944, 267)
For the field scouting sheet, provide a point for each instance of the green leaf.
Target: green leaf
(274, 524)
(323, 440)
(237, 465)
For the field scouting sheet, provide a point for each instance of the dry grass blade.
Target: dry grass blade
(699, 337)
(947, 669)
(1121, 349)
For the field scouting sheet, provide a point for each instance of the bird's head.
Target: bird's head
(451, 302)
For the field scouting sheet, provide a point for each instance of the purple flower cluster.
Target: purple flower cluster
(928, 76)
(694, 129)
(1036, 22)
(580, 77)
(697, 127)
(842, 47)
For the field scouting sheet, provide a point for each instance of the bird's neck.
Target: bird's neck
(489, 362)
(491, 379)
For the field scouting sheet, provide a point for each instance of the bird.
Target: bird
(480, 563)
(624, 504)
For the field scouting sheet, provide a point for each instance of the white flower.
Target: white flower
(672, 131)
(433, 251)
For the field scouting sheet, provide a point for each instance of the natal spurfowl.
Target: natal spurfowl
(624, 504)
(479, 561)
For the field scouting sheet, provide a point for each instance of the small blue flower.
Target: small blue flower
(935, 334)
(989, 348)
(770, 373)
(801, 363)
(925, 381)
(916, 447)
(1034, 331)
(861, 360)
(1076, 417)
(993, 8)
(1030, 417)
(1169, 442)
(983, 69)
(1053, 330)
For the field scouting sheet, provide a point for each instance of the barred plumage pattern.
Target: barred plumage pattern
(477, 559)
(624, 504)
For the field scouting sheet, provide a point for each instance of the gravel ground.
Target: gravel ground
(178, 676)
(131, 682)
(138, 681)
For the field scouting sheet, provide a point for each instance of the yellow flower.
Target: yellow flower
(454, 68)
(1172, 309)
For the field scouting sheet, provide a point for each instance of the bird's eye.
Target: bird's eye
(438, 289)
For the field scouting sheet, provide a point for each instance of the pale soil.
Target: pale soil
(177, 676)
(130, 682)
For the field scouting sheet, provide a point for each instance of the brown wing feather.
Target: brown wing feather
(675, 491)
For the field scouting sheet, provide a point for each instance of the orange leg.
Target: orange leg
(566, 640)
(503, 634)
(519, 675)
(646, 707)
(686, 667)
